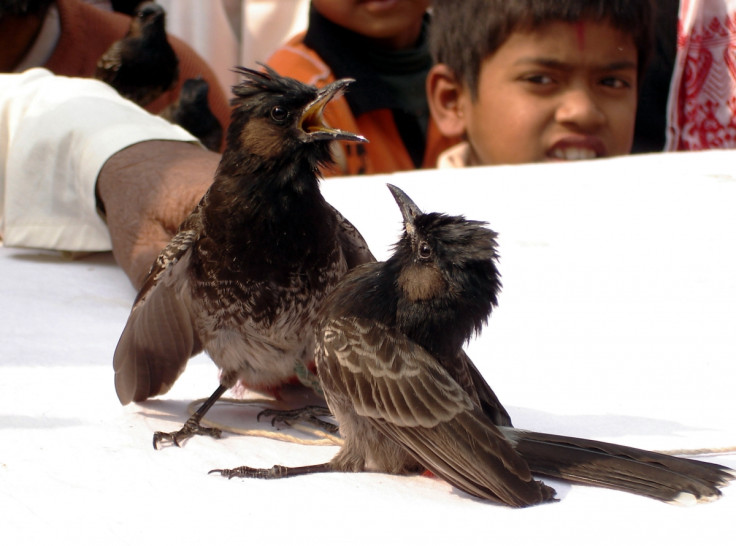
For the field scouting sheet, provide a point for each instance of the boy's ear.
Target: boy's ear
(445, 97)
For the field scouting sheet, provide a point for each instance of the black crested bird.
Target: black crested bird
(141, 65)
(245, 274)
(406, 396)
(192, 111)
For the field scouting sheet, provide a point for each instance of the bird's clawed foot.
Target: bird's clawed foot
(275, 472)
(190, 428)
(307, 414)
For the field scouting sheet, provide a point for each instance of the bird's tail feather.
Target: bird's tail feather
(663, 477)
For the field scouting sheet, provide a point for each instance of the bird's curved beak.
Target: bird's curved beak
(312, 121)
(408, 208)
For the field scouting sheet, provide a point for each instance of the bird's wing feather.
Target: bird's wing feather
(407, 395)
(159, 337)
(109, 61)
(489, 402)
(353, 245)
(171, 254)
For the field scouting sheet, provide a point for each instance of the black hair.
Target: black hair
(464, 32)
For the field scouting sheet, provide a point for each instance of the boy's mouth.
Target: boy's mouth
(576, 148)
(572, 154)
(379, 5)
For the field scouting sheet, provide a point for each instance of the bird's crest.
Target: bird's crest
(269, 80)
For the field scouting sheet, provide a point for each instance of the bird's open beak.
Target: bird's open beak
(312, 121)
(409, 210)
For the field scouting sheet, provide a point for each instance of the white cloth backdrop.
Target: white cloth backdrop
(617, 321)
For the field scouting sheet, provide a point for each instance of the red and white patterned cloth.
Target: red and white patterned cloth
(702, 102)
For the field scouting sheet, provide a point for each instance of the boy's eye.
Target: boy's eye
(539, 79)
(615, 83)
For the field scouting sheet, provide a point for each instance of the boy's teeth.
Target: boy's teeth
(571, 154)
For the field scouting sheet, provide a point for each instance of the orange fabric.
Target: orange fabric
(385, 152)
(87, 32)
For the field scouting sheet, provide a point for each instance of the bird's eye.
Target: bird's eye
(279, 114)
(425, 251)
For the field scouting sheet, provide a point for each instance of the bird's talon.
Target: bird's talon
(187, 431)
(240, 472)
(309, 414)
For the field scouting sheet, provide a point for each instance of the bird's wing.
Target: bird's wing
(179, 245)
(159, 337)
(407, 395)
(489, 402)
(109, 61)
(353, 245)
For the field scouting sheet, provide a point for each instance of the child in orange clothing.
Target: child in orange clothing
(383, 46)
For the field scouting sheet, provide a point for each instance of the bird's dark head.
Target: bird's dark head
(275, 117)
(150, 17)
(194, 91)
(448, 263)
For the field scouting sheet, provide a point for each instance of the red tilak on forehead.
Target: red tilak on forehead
(580, 28)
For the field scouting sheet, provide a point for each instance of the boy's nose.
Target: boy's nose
(578, 107)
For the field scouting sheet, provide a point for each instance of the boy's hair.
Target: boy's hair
(463, 33)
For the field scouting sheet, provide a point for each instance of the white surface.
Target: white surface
(617, 321)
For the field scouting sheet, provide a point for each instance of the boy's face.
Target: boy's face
(564, 91)
(394, 24)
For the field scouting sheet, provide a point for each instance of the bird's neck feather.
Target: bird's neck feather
(444, 322)
(277, 208)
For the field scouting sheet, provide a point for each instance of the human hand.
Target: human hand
(147, 190)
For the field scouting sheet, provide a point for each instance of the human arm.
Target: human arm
(56, 134)
(147, 190)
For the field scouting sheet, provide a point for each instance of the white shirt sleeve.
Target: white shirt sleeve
(56, 133)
